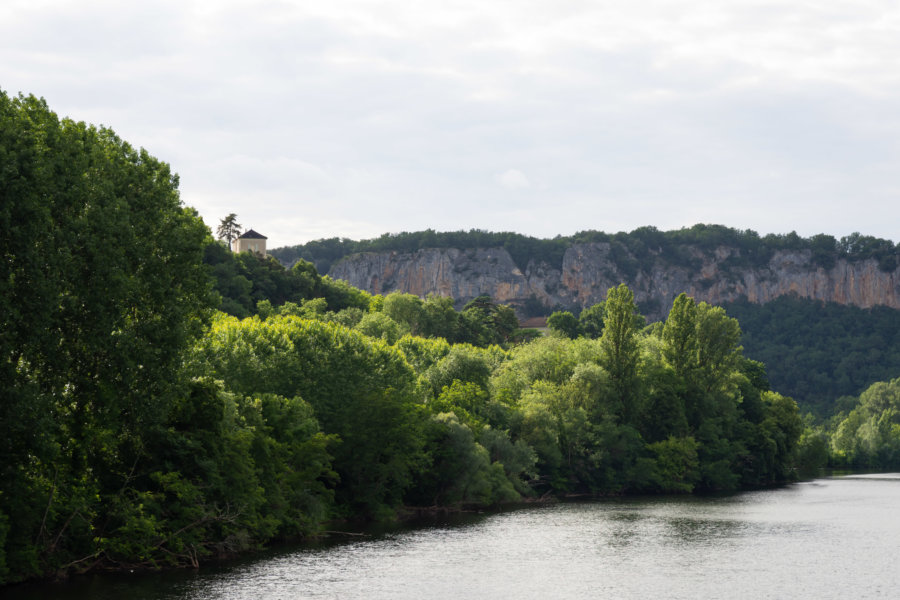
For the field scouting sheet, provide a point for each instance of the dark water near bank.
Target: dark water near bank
(829, 538)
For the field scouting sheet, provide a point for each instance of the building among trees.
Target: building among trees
(250, 241)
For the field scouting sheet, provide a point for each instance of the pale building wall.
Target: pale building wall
(255, 245)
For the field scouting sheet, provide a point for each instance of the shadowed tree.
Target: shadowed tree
(563, 323)
(101, 289)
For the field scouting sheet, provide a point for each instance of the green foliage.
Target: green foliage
(677, 464)
(563, 323)
(225, 474)
(549, 359)
(590, 321)
(819, 352)
(464, 363)
(619, 351)
(382, 327)
(869, 437)
(680, 337)
(783, 426)
(664, 413)
(632, 252)
(461, 469)
(4, 531)
(483, 322)
(422, 353)
(246, 279)
(248, 285)
(406, 309)
(101, 289)
(672, 409)
(467, 400)
(361, 390)
(440, 319)
(812, 452)
(293, 463)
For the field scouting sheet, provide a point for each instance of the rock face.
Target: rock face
(589, 270)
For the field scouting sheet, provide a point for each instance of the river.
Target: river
(827, 538)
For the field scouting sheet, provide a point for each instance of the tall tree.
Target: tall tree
(619, 349)
(680, 336)
(718, 349)
(229, 229)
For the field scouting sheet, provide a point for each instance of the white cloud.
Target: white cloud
(348, 116)
(513, 179)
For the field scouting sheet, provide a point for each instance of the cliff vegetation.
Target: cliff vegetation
(635, 250)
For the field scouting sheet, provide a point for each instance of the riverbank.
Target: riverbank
(820, 539)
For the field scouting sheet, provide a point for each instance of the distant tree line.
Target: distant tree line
(632, 251)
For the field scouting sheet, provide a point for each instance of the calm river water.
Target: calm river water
(828, 538)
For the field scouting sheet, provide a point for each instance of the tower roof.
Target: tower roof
(250, 234)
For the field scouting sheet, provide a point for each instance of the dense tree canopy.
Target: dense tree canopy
(869, 436)
(246, 279)
(361, 390)
(101, 289)
(821, 354)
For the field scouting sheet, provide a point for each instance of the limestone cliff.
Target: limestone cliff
(589, 270)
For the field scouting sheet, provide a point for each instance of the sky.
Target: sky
(352, 118)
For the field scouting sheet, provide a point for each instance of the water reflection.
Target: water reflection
(681, 531)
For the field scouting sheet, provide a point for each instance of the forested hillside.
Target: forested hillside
(819, 353)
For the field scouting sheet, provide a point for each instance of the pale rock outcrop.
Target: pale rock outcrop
(589, 270)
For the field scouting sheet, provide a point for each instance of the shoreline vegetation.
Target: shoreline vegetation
(142, 427)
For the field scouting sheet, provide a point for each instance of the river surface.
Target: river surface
(827, 538)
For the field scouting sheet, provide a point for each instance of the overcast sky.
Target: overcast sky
(351, 118)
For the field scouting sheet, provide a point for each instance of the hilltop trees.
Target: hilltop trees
(630, 250)
(244, 280)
